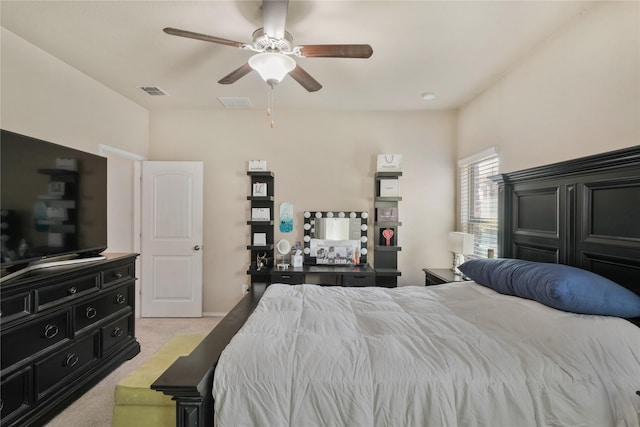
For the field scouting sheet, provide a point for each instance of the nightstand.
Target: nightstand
(438, 276)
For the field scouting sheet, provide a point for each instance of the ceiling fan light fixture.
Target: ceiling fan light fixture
(272, 66)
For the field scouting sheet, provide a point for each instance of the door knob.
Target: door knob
(196, 248)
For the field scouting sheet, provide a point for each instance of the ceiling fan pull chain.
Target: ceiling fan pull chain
(270, 109)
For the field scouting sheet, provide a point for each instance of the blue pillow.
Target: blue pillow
(555, 285)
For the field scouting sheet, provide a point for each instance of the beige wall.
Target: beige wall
(578, 94)
(45, 98)
(322, 160)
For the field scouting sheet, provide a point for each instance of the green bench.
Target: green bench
(136, 404)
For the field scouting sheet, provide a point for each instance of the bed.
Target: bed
(462, 354)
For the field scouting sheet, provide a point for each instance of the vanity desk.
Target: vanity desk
(336, 275)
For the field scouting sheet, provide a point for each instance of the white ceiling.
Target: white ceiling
(455, 49)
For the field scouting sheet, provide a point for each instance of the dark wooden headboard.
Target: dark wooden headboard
(583, 212)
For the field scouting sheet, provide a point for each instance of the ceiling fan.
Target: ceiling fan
(274, 48)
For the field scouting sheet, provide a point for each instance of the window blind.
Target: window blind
(479, 201)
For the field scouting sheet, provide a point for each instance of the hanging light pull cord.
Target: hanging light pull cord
(270, 109)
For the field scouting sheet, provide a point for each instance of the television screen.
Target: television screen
(53, 201)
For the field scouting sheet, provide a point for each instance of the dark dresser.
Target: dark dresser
(62, 330)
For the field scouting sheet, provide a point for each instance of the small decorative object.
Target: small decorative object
(490, 253)
(297, 259)
(257, 165)
(460, 244)
(260, 214)
(387, 214)
(56, 188)
(259, 189)
(261, 261)
(389, 188)
(286, 217)
(387, 237)
(66, 163)
(389, 162)
(259, 239)
(283, 247)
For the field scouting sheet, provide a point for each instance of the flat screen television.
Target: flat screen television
(53, 202)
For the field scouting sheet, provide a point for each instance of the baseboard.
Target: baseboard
(214, 314)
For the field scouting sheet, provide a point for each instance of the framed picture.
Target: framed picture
(260, 214)
(388, 236)
(387, 214)
(259, 239)
(259, 189)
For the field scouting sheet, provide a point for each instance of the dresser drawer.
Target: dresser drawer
(116, 332)
(15, 306)
(31, 338)
(356, 279)
(287, 277)
(15, 393)
(62, 292)
(66, 364)
(118, 274)
(88, 313)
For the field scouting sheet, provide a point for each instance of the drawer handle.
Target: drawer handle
(118, 275)
(72, 290)
(286, 276)
(50, 331)
(90, 312)
(117, 332)
(120, 299)
(71, 359)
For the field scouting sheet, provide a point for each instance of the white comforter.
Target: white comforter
(447, 355)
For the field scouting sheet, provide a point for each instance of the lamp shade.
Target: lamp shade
(271, 66)
(460, 243)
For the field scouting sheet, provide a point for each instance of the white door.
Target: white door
(171, 239)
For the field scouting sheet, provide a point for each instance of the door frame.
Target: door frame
(137, 209)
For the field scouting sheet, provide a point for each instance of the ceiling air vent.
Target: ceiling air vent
(235, 102)
(153, 90)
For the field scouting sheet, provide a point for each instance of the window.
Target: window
(479, 200)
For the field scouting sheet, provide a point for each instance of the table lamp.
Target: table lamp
(460, 244)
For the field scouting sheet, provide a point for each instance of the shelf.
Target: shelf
(388, 199)
(260, 198)
(260, 247)
(263, 226)
(385, 224)
(383, 175)
(253, 222)
(260, 173)
(388, 248)
(57, 172)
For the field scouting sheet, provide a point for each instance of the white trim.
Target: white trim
(107, 149)
(137, 207)
(489, 152)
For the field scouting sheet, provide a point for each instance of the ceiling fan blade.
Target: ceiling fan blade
(274, 15)
(235, 75)
(305, 79)
(336, 51)
(204, 37)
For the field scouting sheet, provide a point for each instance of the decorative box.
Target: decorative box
(389, 188)
(257, 165)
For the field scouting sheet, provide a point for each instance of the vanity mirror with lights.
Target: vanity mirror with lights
(335, 238)
(335, 251)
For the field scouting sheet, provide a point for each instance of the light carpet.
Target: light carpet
(95, 407)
